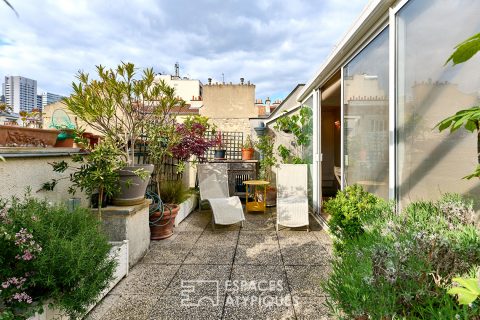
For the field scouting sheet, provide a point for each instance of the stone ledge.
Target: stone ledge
(124, 210)
(32, 152)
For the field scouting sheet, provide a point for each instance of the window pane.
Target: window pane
(428, 162)
(365, 85)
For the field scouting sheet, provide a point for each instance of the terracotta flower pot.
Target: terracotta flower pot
(15, 136)
(247, 154)
(161, 223)
(271, 196)
(66, 143)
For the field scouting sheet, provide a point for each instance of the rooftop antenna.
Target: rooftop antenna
(177, 69)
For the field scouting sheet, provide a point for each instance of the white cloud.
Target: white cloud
(274, 44)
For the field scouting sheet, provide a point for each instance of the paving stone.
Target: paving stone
(146, 279)
(306, 280)
(251, 307)
(174, 254)
(258, 237)
(258, 280)
(258, 254)
(206, 280)
(190, 309)
(103, 307)
(311, 308)
(222, 255)
(131, 308)
(304, 254)
(258, 225)
(293, 238)
(226, 238)
(179, 238)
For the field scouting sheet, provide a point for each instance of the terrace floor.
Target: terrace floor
(252, 272)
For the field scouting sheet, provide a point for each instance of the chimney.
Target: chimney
(210, 81)
(241, 80)
(267, 106)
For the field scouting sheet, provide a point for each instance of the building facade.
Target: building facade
(20, 93)
(389, 85)
(49, 98)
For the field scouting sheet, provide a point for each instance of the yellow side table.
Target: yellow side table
(256, 204)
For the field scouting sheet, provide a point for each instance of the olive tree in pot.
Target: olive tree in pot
(119, 105)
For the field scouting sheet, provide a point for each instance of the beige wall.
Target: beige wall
(16, 174)
(184, 88)
(232, 101)
(50, 109)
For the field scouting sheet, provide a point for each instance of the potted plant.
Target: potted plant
(119, 105)
(162, 221)
(299, 127)
(66, 137)
(27, 135)
(247, 149)
(167, 138)
(220, 150)
(265, 146)
(95, 172)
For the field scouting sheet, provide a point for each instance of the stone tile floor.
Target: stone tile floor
(252, 272)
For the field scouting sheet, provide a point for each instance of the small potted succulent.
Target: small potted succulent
(247, 149)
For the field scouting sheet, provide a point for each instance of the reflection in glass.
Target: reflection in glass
(365, 98)
(428, 162)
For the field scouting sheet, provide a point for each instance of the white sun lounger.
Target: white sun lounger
(213, 182)
(292, 195)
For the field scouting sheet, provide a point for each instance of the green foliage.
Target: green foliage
(467, 118)
(401, 265)
(465, 50)
(94, 171)
(248, 144)
(120, 105)
(467, 291)
(265, 145)
(301, 127)
(49, 254)
(348, 211)
(174, 192)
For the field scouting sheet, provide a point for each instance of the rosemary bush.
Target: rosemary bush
(49, 254)
(401, 265)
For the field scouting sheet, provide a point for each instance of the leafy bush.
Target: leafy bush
(48, 254)
(348, 209)
(402, 265)
(173, 192)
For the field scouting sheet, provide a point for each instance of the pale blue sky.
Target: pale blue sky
(275, 44)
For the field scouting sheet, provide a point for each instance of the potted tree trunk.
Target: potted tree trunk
(265, 146)
(119, 105)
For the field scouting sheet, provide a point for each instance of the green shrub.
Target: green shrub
(173, 192)
(49, 254)
(347, 211)
(401, 265)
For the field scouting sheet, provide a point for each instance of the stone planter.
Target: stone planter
(161, 223)
(132, 187)
(15, 136)
(186, 207)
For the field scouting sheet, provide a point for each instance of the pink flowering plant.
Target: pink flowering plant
(50, 254)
